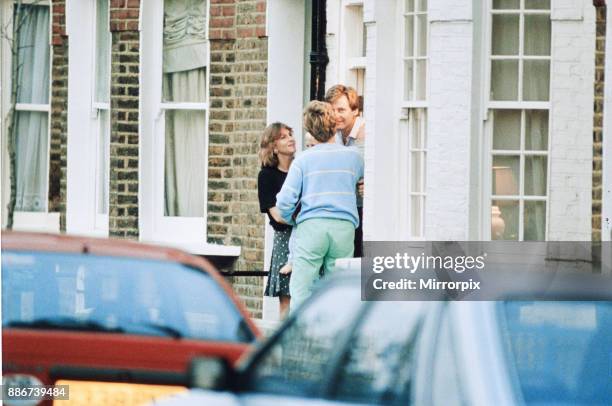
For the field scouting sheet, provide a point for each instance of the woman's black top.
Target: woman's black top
(269, 183)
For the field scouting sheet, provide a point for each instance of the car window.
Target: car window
(128, 295)
(560, 352)
(445, 386)
(380, 355)
(297, 362)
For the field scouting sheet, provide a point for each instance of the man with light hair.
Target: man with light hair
(350, 131)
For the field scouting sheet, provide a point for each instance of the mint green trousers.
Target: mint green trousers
(317, 242)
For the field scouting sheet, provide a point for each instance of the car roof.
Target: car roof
(61, 243)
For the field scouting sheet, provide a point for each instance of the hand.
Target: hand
(360, 188)
(361, 132)
(286, 269)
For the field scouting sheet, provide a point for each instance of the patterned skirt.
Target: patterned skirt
(278, 285)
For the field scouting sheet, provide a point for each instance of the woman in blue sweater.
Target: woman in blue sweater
(323, 179)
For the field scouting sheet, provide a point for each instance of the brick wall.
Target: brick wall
(600, 44)
(237, 117)
(59, 108)
(123, 190)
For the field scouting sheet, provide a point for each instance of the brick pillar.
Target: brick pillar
(123, 207)
(238, 86)
(600, 57)
(59, 108)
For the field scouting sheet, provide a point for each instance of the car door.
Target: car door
(294, 365)
(377, 366)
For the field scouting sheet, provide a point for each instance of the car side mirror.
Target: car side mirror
(210, 373)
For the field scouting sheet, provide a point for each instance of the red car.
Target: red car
(113, 319)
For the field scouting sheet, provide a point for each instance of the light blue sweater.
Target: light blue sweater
(323, 178)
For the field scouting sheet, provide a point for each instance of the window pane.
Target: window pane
(408, 80)
(534, 221)
(416, 135)
(505, 34)
(536, 130)
(422, 35)
(415, 172)
(409, 36)
(537, 35)
(185, 50)
(422, 5)
(504, 80)
(297, 363)
(536, 82)
(382, 351)
(507, 129)
(535, 175)
(409, 5)
(33, 60)
(505, 4)
(566, 344)
(537, 4)
(416, 215)
(103, 39)
(187, 86)
(103, 161)
(505, 175)
(184, 167)
(421, 78)
(118, 292)
(508, 228)
(31, 150)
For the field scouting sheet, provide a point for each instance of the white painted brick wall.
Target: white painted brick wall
(448, 160)
(450, 69)
(571, 120)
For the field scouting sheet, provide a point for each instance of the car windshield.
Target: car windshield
(560, 352)
(116, 294)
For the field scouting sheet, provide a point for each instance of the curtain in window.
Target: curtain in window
(103, 40)
(536, 167)
(31, 128)
(184, 80)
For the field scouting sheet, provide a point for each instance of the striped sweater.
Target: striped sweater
(323, 178)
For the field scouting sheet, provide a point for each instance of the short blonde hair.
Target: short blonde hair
(271, 134)
(320, 120)
(337, 91)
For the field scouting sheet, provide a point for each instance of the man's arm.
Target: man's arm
(289, 196)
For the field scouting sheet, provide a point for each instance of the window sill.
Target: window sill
(36, 221)
(201, 248)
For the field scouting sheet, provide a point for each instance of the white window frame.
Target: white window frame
(101, 220)
(188, 233)
(352, 67)
(522, 106)
(25, 220)
(413, 102)
(410, 111)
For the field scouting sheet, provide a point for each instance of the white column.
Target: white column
(450, 89)
(81, 158)
(285, 29)
(571, 121)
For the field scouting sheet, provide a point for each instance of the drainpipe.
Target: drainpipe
(318, 52)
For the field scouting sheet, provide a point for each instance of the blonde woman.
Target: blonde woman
(277, 149)
(323, 180)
